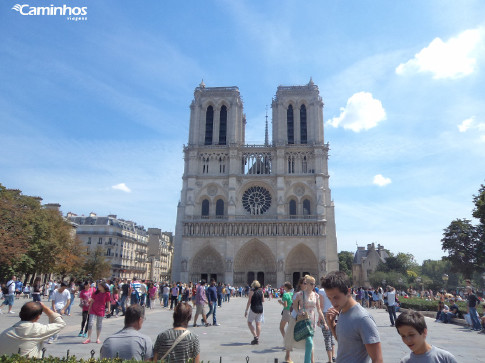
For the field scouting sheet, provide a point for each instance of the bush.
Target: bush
(431, 305)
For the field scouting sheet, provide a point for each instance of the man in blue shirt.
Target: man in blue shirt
(212, 299)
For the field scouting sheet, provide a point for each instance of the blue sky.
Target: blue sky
(94, 114)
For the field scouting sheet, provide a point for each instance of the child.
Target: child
(412, 328)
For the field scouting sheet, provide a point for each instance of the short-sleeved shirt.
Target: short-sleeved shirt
(327, 304)
(99, 303)
(85, 296)
(391, 298)
(355, 328)
(11, 287)
(200, 298)
(434, 355)
(288, 298)
(60, 298)
(128, 343)
(187, 348)
(472, 300)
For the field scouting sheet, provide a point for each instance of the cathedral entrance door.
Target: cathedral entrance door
(214, 276)
(261, 278)
(203, 277)
(250, 277)
(296, 277)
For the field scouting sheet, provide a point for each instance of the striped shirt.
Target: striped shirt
(187, 348)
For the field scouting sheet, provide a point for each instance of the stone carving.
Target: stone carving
(184, 265)
(199, 184)
(281, 264)
(323, 265)
(228, 265)
(299, 190)
(212, 190)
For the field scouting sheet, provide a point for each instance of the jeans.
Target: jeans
(392, 313)
(36, 297)
(165, 300)
(446, 317)
(173, 301)
(212, 310)
(134, 299)
(308, 349)
(219, 299)
(68, 310)
(475, 319)
(122, 303)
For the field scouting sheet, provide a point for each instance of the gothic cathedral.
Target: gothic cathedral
(255, 212)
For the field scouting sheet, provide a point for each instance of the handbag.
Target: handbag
(303, 326)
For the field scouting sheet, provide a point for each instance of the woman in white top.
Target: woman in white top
(327, 333)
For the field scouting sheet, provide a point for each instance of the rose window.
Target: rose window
(256, 200)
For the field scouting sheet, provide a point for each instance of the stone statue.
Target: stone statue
(228, 265)
(323, 265)
(281, 264)
(184, 265)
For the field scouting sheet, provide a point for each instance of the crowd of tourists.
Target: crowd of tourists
(334, 307)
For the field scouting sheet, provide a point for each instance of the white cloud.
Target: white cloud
(466, 124)
(381, 181)
(362, 112)
(452, 59)
(122, 186)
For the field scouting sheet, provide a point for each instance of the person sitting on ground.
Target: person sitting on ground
(453, 312)
(178, 345)
(412, 328)
(28, 335)
(128, 343)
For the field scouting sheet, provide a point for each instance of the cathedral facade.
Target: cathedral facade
(251, 212)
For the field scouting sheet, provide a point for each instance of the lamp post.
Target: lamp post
(445, 280)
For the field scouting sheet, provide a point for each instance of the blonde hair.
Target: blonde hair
(310, 278)
(255, 284)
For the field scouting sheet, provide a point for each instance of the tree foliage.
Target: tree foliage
(345, 260)
(465, 246)
(96, 265)
(479, 201)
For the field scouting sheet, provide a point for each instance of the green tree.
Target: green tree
(96, 265)
(345, 260)
(465, 246)
(479, 201)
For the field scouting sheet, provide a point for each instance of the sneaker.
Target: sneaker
(85, 335)
(255, 341)
(207, 324)
(11, 312)
(216, 324)
(481, 331)
(80, 334)
(195, 325)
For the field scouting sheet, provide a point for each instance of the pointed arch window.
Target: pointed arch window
(303, 129)
(306, 207)
(209, 125)
(223, 126)
(205, 208)
(290, 125)
(292, 208)
(219, 207)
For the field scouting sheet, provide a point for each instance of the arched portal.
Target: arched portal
(255, 260)
(207, 264)
(301, 261)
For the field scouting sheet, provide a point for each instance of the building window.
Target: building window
(108, 252)
(110, 240)
(209, 124)
(291, 164)
(304, 165)
(223, 126)
(292, 208)
(205, 165)
(290, 125)
(89, 240)
(100, 241)
(205, 208)
(219, 207)
(306, 207)
(303, 131)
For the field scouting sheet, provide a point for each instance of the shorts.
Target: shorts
(252, 316)
(9, 299)
(201, 309)
(286, 316)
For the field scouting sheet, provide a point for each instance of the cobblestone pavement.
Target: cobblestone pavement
(231, 340)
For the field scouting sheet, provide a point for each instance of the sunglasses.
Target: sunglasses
(308, 283)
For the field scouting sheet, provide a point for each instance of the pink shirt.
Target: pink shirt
(99, 303)
(114, 298)
(85, 296)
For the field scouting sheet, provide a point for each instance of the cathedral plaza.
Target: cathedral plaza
(231, 340)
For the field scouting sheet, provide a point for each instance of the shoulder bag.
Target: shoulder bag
(303, 326)
(178, 340)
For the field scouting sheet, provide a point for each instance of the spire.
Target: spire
(266, 141)
(202, 84)
(311, 82)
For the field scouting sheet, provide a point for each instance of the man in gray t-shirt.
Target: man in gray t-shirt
(352, 326)
(128, 343)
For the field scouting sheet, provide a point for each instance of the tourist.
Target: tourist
(307, 301)
(152, 295)
(135, 291)
(450, 313)
(97, 310)
(129, 343)
(61, 299)
(289, 340)
(28, 335)
(412, 328)
(174, 296)
(114, 303)
(327, 334)
(125, 292)
(165, 294)
(201, 303)
(391, 303)
(178, 345)
(85, 300)
(9, 295)
(72, 290)
(255, 302)
(472, 302)
(356, 331)
(212, 300)
(219, 294)
(286, 300)
(36, 289)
